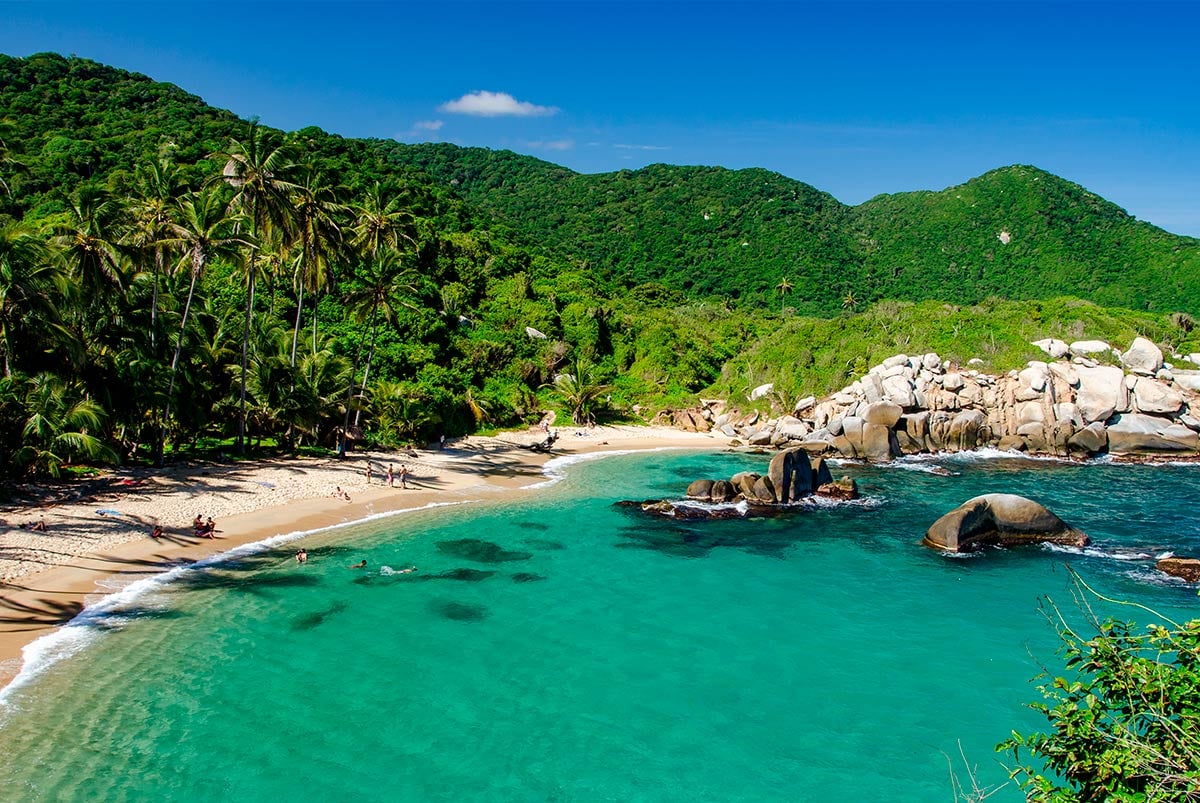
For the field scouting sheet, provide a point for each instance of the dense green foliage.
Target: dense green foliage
(170, 275)
(1125, 720)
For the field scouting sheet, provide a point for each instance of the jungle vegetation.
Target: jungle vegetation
(172, 276)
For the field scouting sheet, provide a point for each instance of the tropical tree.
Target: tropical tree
(58, 426)
(88, 242)
(205, 230)
(381, 220)
(259, 170)
(29, 282)
(849, 301)
(386, 287)
(784, 287)
(157, 187)
(318, 216)
(580, 389)
(1125, 720)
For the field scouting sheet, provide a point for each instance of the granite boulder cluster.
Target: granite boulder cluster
(1086, 399)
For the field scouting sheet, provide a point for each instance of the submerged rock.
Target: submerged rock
(1000, 520)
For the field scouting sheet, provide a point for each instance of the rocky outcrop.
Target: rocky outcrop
(1069, 406)
(791, 476)
(1185, 568)
(1000, 520)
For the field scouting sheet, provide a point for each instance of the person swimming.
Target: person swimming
(361, 565)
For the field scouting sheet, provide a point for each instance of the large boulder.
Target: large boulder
(1133, 433)
(1082, 348)
(1190, 380)
(884, 414)
(1102, 392)
(1152, 396)
(1186, 568)
(1143, 357)
(1057, 349)
(699, 489)
(1000, 520)
(791, 475)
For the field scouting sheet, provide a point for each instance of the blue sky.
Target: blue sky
(856, 98)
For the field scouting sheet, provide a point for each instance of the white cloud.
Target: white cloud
(427, 125)
(551, 145)
(495, 104)
(625, 147)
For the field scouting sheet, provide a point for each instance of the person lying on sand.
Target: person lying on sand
(38, 526)
(338, 493)
(157, 533)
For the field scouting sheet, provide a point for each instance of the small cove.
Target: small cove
(561, 648)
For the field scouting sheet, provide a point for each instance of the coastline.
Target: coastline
(49, 578)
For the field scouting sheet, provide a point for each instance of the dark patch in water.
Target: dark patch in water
(246, 583)
(311, 620)
(527, 577)
(481, 551)
(532, 525)
(462, 574)
(542, 543)
(459, 611)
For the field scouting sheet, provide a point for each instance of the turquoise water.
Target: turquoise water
(556, 647)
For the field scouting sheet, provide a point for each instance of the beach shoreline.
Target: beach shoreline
(93, 546)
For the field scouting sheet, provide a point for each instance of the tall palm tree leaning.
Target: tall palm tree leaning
(387, 287)
(204, 230)
(259, 170)
(319, 232)
(157, 187)
(784, 288)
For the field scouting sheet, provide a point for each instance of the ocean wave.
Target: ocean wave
(111, 610)
(1094, 551)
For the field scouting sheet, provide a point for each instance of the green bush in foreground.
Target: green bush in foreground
(1125, 724)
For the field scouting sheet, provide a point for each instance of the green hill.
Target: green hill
(706, 231)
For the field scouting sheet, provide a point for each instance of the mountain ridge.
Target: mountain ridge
(711, 232)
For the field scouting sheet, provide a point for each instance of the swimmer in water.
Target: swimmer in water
(361, 565)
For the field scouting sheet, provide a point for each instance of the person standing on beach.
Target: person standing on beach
(368, 472)
(404, 476)
(391, 476)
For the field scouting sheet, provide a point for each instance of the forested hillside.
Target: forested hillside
(171, 276)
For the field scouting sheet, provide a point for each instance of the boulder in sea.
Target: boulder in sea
(1185, 568)
(843, 488)
(699, 489)
(1000, 520)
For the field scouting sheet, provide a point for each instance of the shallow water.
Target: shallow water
(559, 648)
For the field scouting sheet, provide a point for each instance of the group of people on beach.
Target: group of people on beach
(204, 528)
(391, 475)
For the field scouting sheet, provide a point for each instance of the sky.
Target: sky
(855, 98)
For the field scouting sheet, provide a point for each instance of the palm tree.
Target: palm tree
(579, 389)
(88, 242)
(319, 232)
(56, 428)
(849, 301)
(28, 279)
(205, 230)
(387, 287)
(381, 220)
(784, 288)
(158, 187)
(258, 169)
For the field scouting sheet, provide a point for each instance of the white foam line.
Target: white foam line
(67, 640)
(553, 469)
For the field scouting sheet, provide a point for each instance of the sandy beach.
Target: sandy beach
(102, 538)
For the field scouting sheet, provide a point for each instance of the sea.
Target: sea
(555, 646)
